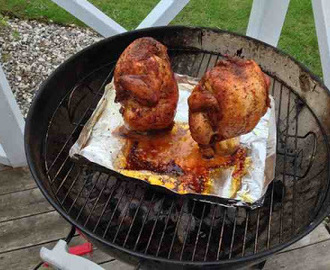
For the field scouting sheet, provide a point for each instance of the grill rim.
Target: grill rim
(38, 175)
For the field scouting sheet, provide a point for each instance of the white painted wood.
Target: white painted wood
(11, 125)
(163, 13)
(92, 16)
(266, 20)
(60, 258)
(321, 9)
(3, 157)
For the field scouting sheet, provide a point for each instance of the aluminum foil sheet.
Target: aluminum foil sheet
(98, 145)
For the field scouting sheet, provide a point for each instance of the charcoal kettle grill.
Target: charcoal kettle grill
(135, 222)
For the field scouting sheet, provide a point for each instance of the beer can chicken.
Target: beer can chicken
(145, 86)
(228, 102)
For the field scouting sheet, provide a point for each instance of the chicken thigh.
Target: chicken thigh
(145, 86)
(228, 102)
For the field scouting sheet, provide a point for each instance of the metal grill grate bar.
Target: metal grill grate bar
(272, 193)
(245, 232)
(270, 215)
(134, 218)
(233, 236)
(113, 188)
(257, 233)
(199, 66)
(210, 233)
(87, 198)
(97, 200)
(199, 232)
(80, 121)
(70, 188)
(59, 170)
(153, 228)
(187, 229)
(114, 211)
(64, 179)
(221, 233)
(126, 209)
(144, 221)
(284, 164)
(295, 170)
(164, 230)
(176, 230)
(78, 195)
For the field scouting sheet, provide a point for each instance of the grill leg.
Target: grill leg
(258, 266)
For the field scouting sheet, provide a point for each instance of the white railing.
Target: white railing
(162, 14)
(267, 19)
(265, 23)
(321, 9)
(11, 127)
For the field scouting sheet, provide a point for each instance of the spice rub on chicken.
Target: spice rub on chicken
(145, 86)
(228, 102)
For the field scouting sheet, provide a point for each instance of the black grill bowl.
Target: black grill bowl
(139, 224)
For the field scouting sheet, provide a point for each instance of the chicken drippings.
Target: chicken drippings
(175, 153)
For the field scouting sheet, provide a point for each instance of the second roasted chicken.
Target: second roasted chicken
(145, 86)
(228, 102)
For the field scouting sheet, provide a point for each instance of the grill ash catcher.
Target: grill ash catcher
(145, 226)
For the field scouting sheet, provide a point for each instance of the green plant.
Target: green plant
(15, 34)
(3, 21)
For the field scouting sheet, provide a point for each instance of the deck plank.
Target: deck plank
(117, 265)
(318, 235)
(315, 256)
(13, 180)
(32, 230)
(23, 203)
(29, 257)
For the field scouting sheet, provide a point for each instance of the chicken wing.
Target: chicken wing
(228, 102)
(145, 86)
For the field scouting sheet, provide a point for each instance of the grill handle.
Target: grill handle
(61, 259)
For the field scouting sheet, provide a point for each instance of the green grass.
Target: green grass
(3, 21)
(298, 36)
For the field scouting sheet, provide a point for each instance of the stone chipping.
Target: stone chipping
(30, 51)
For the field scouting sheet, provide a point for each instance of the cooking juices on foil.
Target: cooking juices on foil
(171, 158)
(176, 155)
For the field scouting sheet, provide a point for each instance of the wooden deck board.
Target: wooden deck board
(117, 265)
(315, 256)
(23, 203)
(318, 235)
(32, 230)
(13, 180)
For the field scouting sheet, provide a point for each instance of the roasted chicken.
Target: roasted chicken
(228, 102)
(145, 86)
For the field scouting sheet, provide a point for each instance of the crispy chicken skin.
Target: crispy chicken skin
(228, 102)
(145, 86)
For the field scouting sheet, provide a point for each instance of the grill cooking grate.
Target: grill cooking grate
(133, 215)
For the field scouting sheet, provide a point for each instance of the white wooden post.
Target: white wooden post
(11, 127)
(266, 20)
(93, 17)
(163, 13)
(3, 157)
(321, 9)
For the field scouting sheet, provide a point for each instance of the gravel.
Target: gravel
(31, 50)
